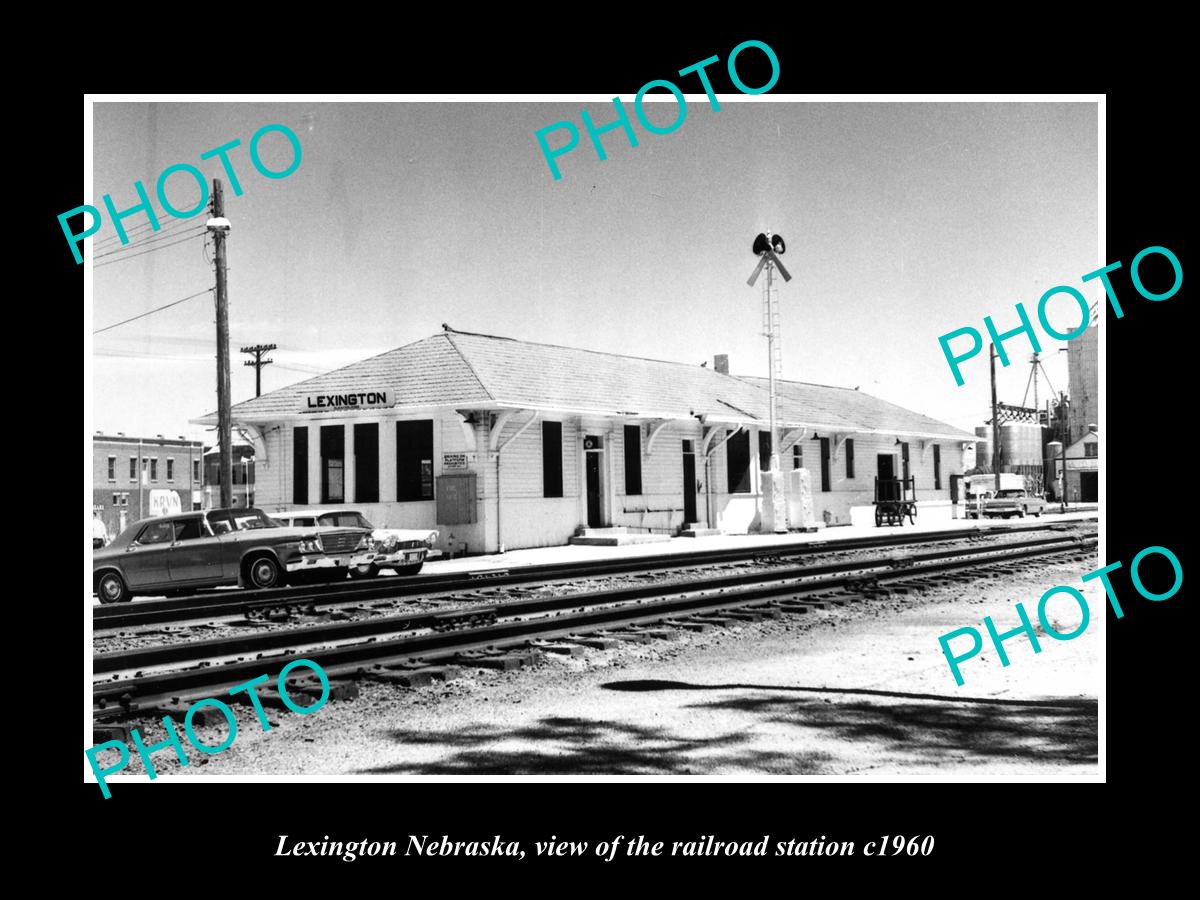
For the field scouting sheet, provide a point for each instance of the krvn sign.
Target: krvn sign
(362, 399)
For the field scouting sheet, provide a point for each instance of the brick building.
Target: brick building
(136, 477)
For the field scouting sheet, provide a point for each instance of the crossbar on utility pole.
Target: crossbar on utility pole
(258, 362)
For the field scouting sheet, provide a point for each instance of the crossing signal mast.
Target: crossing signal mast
(768, 248)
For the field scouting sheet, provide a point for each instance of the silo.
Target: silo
(1021, 444)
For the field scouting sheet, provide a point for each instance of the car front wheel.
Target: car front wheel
(264, 572)
(111, 588)
(410, 570)
(367, 571)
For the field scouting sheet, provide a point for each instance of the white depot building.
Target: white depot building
(502, 444)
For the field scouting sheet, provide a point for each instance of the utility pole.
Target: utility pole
(258, 362)
(1065, 408)
(219, 226)
(995, 422)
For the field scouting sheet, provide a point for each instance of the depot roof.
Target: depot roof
(463, 370)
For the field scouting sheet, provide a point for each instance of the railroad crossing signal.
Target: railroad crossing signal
(768, 248)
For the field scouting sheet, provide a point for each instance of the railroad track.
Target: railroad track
(235, 604)
(486, 636)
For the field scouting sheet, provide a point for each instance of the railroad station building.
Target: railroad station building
(504, 444)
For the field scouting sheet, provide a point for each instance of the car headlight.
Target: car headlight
(431, 540)
(364, 543)
(312, 545)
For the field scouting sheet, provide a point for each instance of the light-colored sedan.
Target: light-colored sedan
(1014, 502)
(402, 549)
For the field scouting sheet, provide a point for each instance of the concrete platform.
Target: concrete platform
(826, 536)
(617, 540)
(615, 536)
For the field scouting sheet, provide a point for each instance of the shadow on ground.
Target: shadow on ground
(558, 745)
(785, 731)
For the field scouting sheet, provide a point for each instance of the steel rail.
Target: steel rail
(123, 660)
(227, 604)
(112, 696)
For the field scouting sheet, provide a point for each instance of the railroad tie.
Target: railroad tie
(415, 676)
(595, 643)
(558, 648)
(503, 662)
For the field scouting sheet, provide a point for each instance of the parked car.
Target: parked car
(1014, 502)
(402, 549)
(216, 547)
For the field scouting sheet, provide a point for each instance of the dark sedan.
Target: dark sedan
(217, 547)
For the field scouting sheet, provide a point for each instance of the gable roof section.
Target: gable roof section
(429, 372)
(845, 409)
(462, 369)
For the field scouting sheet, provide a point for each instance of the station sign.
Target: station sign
(356, 400)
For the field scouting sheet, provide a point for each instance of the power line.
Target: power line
(144, 252)
(114, 241)
(156, 309)
(136, 230)
(156, 239)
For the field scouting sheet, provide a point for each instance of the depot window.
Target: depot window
(797, 457)
(333, 463)
(552, 467)
(849, 451)
(824, 464)
(764, 451)
(300, 465)
(112, 468)
(414, 460)
(737, 462)
(366, 463)
(633, 459)
(937, 467)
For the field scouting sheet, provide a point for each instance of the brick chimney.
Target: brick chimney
(721, 363)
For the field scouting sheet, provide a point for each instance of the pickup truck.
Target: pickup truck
(1013, 502)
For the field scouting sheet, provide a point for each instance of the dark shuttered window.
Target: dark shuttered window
(937, 467)
(737, 462)
(414, 460)
(797, 457)
(764, 451)
(552, 466)
(300, 465)
(366, 463)
(333, 463)
(824, 464)
(849, 449)
(904, 458)
(633, 459)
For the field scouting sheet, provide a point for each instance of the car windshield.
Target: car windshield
(1009, 493)
(225, 521)
(345, 520)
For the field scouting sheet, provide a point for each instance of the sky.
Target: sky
(903, 222)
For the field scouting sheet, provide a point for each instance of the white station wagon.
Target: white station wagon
(404, 550)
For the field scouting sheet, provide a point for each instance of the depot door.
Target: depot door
(592, 469)
(889, 486)
(1089, 487)
(689, 482)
